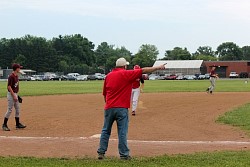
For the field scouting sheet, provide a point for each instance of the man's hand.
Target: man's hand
(15, 98)
(152, 69)
(162, 67)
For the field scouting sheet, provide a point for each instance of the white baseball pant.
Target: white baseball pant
(11, 104)
(135, 98)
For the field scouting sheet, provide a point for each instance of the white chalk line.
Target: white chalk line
(130, 141)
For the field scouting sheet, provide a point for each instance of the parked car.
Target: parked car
(244, 75)
(233, 75)
(189, 77)
(73, 75)
(161, 77)
(55, 78)
(197, 75)
(99, 76)
(171, 77)
(26, 78)
(180, 77)
(207, 76)
(38, 77)
(82, 78)
(46, 78)
(92, 77)
(71, 78)
(64, 77)
(202, 77)
(153, 77)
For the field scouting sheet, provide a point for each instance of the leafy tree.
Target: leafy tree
(78, 48)
(205, 50)
(63, 66)
(205, 58)
(123, 52)
(246, 52)
(103, 52)
(146, 55)
(110, 64)
(229, 51)
(106, 56)
(20, 59)
(204, 53)
(177, 54)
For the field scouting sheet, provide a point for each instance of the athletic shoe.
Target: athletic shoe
(20, 126)
(100, 156)
(126, 158)
(133, 113)
(211, 92)
(5, 128)
(207, 90)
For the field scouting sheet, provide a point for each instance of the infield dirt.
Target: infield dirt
(166, 123)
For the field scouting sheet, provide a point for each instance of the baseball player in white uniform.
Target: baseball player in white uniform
(138, 86)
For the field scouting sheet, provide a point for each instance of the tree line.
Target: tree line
(75, 53)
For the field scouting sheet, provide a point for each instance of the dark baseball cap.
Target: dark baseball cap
(16, 66)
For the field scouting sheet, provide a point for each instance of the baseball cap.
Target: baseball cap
(137, 67)
(121, 62)
(15, 66)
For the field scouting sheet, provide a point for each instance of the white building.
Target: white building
(185, 67)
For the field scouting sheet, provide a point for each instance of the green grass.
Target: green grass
(239, 117)
(218, 159)
(196, 86)
(54, 88)
(71, 87)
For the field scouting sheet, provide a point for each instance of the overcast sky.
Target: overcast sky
(131, 23)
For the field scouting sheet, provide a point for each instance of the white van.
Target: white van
(73, 75)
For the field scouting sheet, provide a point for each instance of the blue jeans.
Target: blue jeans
(120, 115)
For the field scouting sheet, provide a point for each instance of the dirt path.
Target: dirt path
(62, 126)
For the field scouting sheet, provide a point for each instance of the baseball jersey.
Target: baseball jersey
(212, 73)
(136, 83)
(13, 82)
(117, 87)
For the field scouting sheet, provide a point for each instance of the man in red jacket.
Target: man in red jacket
(117, 91)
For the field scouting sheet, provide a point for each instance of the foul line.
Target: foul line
(130, 141)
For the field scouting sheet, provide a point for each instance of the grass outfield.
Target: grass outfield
(72, 87)
(218, 159)
(238, 117)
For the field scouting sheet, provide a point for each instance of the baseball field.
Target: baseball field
(177, 124)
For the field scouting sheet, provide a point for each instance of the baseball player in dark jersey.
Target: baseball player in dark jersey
(213, 77)
(12, 96)
(138, 86)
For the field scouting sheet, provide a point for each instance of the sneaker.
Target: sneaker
(100, 156)
(211, 92)
(207, 90)
(5, 128)
(133, 113)
(126, 158)
(20, 126)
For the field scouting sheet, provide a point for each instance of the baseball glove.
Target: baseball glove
(20, 100)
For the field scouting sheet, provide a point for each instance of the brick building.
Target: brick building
(226, 67)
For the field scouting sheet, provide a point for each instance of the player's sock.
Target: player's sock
(17, 121)
(5, 121)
